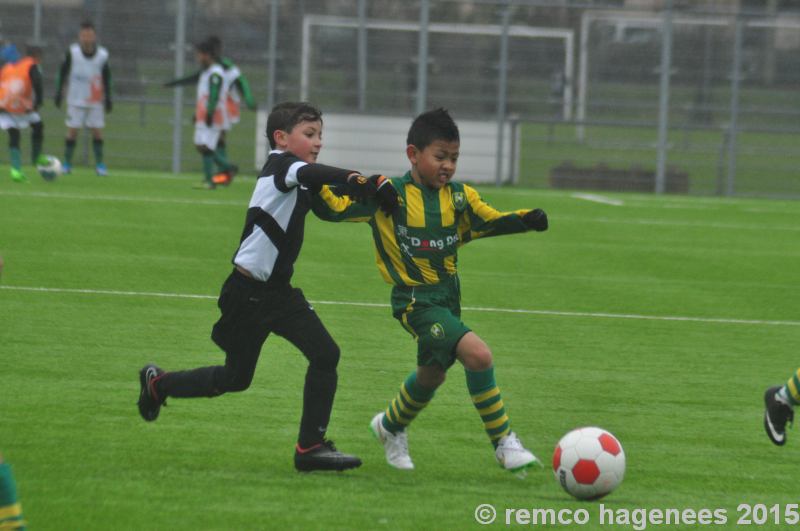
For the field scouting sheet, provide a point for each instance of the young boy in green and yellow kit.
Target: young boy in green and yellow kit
(416, 251)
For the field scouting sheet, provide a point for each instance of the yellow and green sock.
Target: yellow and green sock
(10, 508)
(406, 405)
(489, 402)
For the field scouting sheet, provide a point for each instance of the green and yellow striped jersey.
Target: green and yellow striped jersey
(418, 244)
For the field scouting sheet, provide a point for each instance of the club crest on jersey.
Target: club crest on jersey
(437, 331)
(459, 201)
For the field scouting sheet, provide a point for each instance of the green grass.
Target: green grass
(684, 397)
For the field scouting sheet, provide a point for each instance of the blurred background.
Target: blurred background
(699, 97)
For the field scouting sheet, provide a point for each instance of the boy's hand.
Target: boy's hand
(386, 194)
(359, 188)
(536, 220)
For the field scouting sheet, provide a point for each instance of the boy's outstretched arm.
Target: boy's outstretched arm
(481, 220)
(191, 79)
(327, 205)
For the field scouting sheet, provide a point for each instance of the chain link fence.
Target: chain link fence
(655, 95)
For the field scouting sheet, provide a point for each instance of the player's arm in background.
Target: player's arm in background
(63, 74)
(35, 73)
(243, 87)
(191, 79)
(106, 72)
(240, 83)
(481, 220)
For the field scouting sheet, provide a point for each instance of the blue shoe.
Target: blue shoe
(101, 170)
(66, 168)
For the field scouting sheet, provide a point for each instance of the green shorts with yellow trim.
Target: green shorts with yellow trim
(432, 315)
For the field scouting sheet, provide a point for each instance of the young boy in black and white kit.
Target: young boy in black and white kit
(257, 298)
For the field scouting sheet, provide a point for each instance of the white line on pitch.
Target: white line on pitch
(126, 198)
(594, 198)
(557, 313)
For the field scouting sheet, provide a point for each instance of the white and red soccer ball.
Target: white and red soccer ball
(589, 463)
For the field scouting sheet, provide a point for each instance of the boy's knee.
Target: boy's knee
(238, 383)
(234, 381)
(37, 130)
(327, 358)
(477, 358)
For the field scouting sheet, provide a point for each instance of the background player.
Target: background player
(779, 404)
(416, 253)
(20, 98)
(238, 89)
(211, 115)
(86, 71)
(258, 298)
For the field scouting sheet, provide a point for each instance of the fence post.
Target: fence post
(37, 23)
(362, 55)
(736, 77)
(663, 105)
(422, 58)
(272, 60)
(502, 88)
(177, 96)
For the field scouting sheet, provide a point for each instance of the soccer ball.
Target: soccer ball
(589, 463)
(51, 169)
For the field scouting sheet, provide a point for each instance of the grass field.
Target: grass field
(662, 319)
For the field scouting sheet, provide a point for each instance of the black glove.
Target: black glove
(359, 188)
(109, 106)
(386, 194)
(57, 100)
(536, 220)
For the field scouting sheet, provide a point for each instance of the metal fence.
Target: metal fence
(698, 97)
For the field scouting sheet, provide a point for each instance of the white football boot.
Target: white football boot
(513, 456)
(395, 444)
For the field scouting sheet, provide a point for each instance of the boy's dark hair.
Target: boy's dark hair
(284, 116)
(33, 50)
(206, 46)
(216, 44)
(87, 24)
(431, 126)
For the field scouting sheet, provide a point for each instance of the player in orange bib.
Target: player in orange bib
(20, 97)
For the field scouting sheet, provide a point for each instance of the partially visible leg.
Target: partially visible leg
(227, 170)
(476, 357)
(779, 404)
(301, 326)
(208, 165)
(97, 147)
(70, 142)
(390, 425)
(10, 508)
(240, 332)
(37, 139)
(15, 155)
(415, 393)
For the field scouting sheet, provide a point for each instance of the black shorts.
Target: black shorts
(252, 309)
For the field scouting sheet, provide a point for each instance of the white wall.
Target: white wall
(376, 144)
